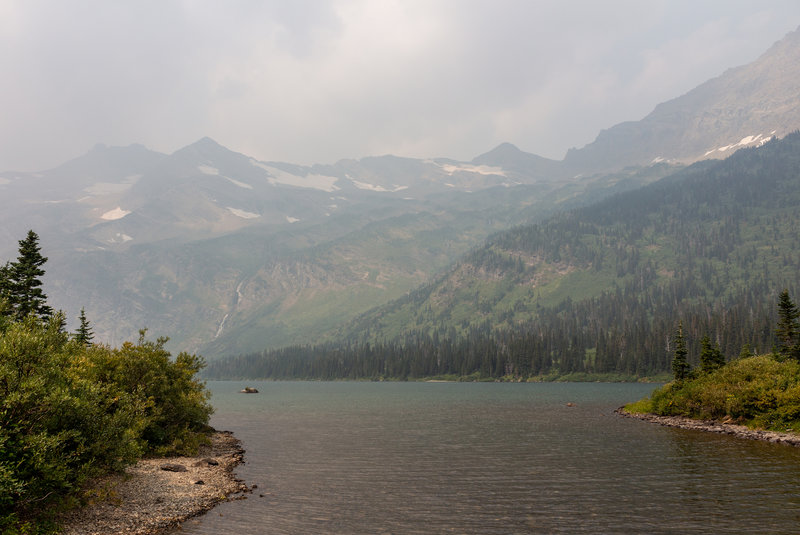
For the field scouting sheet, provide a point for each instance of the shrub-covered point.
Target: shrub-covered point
(761, 392)
(758, 391)
(71, 410)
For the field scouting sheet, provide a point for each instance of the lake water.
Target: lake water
(486, 458)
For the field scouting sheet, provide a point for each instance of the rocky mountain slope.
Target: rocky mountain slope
(744, 106)
(598, 290)
(224, 252)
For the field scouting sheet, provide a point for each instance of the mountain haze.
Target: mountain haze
(744, 106)
(229, 254)
(600, 289)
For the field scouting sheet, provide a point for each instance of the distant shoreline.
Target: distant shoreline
(147, 500)
(715, 426)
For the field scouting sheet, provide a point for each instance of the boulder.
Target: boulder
(173, 467)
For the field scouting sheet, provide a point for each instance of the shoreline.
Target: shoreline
(716, 426)
(148, 500)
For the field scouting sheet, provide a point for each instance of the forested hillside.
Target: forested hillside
(598, 289)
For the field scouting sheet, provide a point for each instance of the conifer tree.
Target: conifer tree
(680, 363)
(84, 334)
(788, 329)
(711, 357)
(25, 294)
(5, 281)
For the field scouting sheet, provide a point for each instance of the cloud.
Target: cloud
(314, 81)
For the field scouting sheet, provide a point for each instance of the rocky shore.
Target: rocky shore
(156, 495)
(715, 426)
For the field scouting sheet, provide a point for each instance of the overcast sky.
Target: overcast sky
(314, 81)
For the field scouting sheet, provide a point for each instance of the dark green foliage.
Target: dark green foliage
(70, 410)
(5, 281)
(788, 329)
(680, 362)
(84, 335)
(760, 392)
(20, 281)
(176, 409)
(711, 357)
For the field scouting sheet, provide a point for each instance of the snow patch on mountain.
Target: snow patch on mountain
(116, 213)
(312, 181)
(213, 171)
(451, 169)
(373, 187)
(746, 141)
(237, 183)
(292, 219)
(242, 213)
(208, 170)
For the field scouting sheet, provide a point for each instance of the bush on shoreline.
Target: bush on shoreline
(761, 392)
(70, 412)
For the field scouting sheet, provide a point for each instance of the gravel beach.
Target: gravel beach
(715, 426)
(148, 499)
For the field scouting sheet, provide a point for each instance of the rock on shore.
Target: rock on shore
(715, 426)
(149, 500)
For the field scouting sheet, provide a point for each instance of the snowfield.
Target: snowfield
(242, 213)
(116, 213)
(312, 181)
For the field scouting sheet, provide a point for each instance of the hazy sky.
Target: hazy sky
(316, 81)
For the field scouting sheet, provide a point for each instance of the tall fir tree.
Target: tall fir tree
(680, 363)
(84, 334)
(25, 286)
(788, 329)
(711, 357)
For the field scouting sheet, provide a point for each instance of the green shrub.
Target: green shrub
(70, 412)
(758, 391)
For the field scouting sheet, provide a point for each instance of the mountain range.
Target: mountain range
(226, 254)
(595, 292)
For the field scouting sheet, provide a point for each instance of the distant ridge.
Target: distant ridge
(743, 107)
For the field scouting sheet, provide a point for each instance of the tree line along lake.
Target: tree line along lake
(370, 457)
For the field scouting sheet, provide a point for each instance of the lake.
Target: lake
(488, 458)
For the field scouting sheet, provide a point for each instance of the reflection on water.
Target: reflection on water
(403, 458)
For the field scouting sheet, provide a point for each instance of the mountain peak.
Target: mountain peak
(503, 150)
(745, 105)
(205, 142)
(203, 148)
(511, 158)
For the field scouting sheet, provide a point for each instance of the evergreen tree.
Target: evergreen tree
(788, 329)
(25, 294)
(5, 281)
(84, 334)
(680, 363)
(711, 357)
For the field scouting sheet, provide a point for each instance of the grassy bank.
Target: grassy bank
(760, 392)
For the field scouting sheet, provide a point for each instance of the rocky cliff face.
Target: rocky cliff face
(745, 106)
